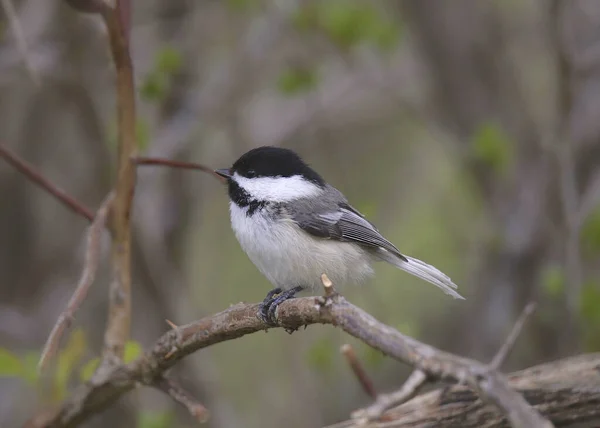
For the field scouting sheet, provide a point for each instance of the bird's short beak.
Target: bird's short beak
(223, 172)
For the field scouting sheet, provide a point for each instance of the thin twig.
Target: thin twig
(140, 160)
(17, 30)
(30, 172)
(119, 312)
(92, 258)
(358, 370)
(384, 402)
(181, 396)
(509, 343)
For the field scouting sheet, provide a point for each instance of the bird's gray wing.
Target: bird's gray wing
(344, 224)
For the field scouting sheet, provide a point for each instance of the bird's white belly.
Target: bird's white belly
(289, 257)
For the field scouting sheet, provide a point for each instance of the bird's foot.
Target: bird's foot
(274, 298)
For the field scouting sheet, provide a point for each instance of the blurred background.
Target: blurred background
(467, 131)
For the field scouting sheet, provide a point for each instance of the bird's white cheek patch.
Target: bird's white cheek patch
(277, 189)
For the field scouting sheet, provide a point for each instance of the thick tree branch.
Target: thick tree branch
(241, 319)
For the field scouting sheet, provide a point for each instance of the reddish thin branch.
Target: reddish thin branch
(119, 315)
(358, 370)
(92, 258)
(140, 160)
(30, 172)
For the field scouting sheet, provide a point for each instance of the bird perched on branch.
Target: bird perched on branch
(294, 227)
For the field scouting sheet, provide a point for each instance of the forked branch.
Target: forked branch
(241, 319)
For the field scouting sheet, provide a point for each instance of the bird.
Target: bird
(295, 227)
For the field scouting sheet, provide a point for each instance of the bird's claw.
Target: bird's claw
(268, 307)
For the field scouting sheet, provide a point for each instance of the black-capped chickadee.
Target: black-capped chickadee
(295, 227)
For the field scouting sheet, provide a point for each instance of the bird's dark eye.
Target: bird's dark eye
(251, 173)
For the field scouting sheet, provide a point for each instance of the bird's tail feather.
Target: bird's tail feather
(422, 270)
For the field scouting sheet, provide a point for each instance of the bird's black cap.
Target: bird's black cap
(269, 161)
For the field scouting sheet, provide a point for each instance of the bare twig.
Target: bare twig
(358, 370)
(92, 258)
(17, 30)
(384, 402)
(140, 160)
(180, 395)
(240, 320)
(509, 343)
(327, 285)
(30, 172)
(171, 324)
(119, 315)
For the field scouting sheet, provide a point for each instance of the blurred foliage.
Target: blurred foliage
(68, 360)
(493, 147)
(297, 80)
(132, 350)
(590, 314)
(142, 134)
(243, 5)
(372, 357)
(590, 233)
(10, 364)
(321, 355)
(350, 22)
(553, 281)
(156, 84)
(154, 419)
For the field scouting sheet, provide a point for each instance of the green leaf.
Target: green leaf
(295, 80)
(492, 146)
(67, 360)
(154, 87)
(168, 60)
(590, 233)
(132, 350)
(553, 281)
(10, 364)
(88, 370)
